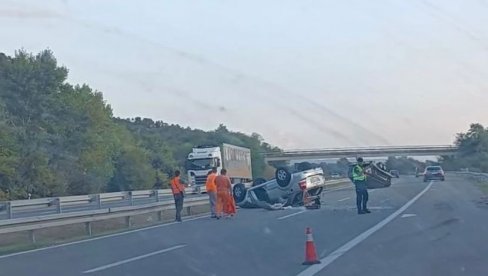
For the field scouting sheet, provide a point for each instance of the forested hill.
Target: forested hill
(60, 139)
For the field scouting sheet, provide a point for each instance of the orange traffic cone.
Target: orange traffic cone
(310, 253)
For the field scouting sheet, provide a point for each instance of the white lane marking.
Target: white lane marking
(102, 237)
(352, 243)
(133, 259)
(291, 215)
(344, 199)
(408, 215)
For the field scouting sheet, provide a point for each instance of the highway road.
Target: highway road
(416, 228)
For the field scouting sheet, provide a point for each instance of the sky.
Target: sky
(303, 73)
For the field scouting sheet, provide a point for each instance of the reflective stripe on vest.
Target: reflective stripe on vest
(358, 173)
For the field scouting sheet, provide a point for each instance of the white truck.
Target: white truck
(236, 160)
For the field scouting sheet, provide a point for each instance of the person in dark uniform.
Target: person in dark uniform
(359, 179)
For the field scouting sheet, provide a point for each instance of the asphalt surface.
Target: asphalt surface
(416, 228)
(40, 211)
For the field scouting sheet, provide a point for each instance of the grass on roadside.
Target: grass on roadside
(483, 186)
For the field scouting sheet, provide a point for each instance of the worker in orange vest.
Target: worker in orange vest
(225, 202)
(178, 189)
(212, 191)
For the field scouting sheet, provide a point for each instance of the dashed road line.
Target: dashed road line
(197, 217)
(291, 215)
(133, 259)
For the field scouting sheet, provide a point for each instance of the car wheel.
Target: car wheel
(258, 181)
(297, 200)
(283, 177)
(262, 195)
(318, 203)
(239, 192)
(304, 166)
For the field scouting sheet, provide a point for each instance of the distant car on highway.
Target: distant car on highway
(434, 173)
(395, 173)
(335, 176)
(286, 189)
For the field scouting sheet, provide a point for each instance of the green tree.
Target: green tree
(404, 165)
(133, 171)
(473, 149)
(60, 139)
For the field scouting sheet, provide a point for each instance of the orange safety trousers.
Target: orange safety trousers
(225, 204)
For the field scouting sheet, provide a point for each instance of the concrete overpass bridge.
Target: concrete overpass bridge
(383, 151)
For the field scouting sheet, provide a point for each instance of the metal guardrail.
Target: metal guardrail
(68, 201)
(475, 174)
(87, 217)
(39, 222)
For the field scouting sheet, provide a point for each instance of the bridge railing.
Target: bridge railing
(359, 151)
(413, 147)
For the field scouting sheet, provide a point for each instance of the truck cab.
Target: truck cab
(199, 162)
(236, 160)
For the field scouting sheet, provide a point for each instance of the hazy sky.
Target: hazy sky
(304, 74)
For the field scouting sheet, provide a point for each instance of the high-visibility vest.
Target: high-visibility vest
(358, 173)
(210, 184)
(176, 186)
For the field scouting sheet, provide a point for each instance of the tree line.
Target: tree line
(62, 139)
(472, 150)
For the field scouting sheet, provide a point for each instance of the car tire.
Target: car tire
(304, 166)
(258, 181)
(239, 192)
(262, 195)
(318, 203)
(283, 177)
(297, 200)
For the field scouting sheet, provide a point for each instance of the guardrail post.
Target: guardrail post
(131, 199)
(58, 205)
(160, 215)
(188, 210)
(88, 228)
(156, 194)
(32, 236)
(128, 221)
(9, 210)
(99, 201)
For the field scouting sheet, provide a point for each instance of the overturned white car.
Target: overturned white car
(286, 189)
